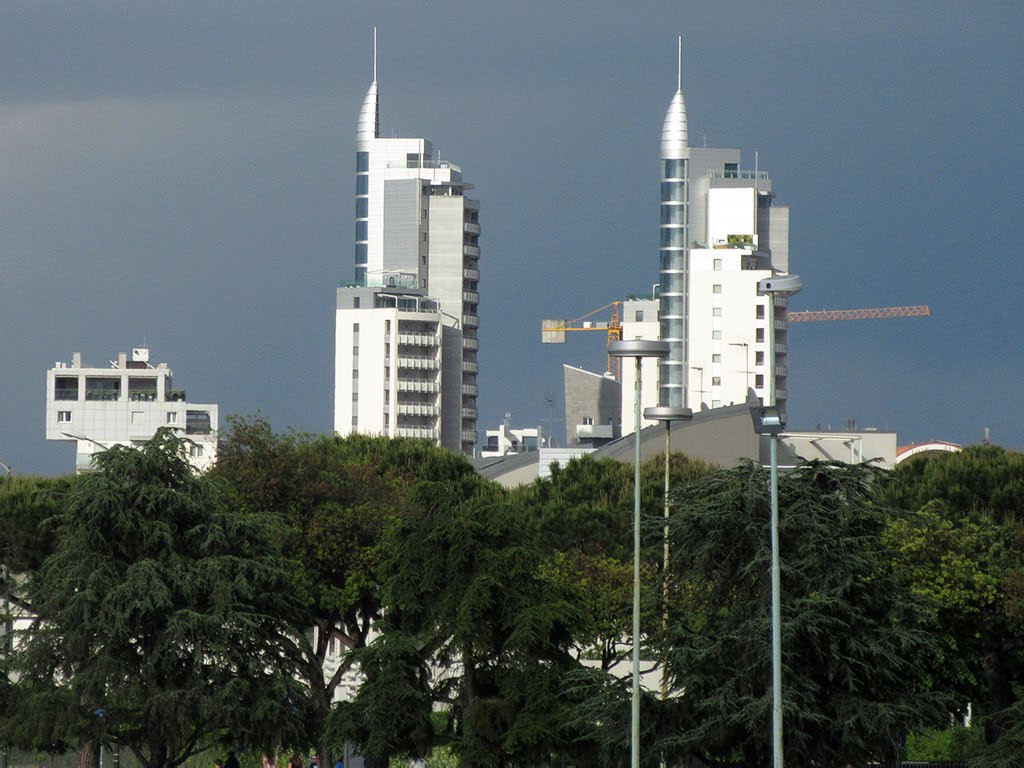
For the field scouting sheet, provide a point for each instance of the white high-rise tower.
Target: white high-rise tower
(406, 341)
(721, 232)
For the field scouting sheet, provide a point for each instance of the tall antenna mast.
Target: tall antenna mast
(679, 68)
(375, 54)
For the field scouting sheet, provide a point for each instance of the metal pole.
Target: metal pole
(776, 611)
(773, 444)
(664, 575)
(635, 728)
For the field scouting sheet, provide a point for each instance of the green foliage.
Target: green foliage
(340, 501)
(963, 547)
(159, 613)
(856, 656)
(465, 579)
(955, 744)
(26, 504)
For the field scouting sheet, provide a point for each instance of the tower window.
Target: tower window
(716, 288)
(362, 162)
(362, 184)
(759, 311)
(759, 334)
(63, 417)
(732, 170)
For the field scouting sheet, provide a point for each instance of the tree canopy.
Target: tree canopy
(159, 617)
(854, 639)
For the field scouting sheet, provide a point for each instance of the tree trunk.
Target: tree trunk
(1000, 691)
(88, 755)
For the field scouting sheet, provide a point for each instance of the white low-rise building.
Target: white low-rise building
(124, 403)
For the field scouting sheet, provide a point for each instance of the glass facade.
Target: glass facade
(673, 258)
(362, 214)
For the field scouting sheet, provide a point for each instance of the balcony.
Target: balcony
(470, 367)
(143, 396)
(102, 394)
(470, 390)
(175, 396)
(470, 413)
(471, 297)
(423, 433)
(418, 363)
(427, 387)
(417, 409)
(468, 436)
(471, 321)
(471, 274)
(594, 431)
(472, 344)
(418, 339)
(471, 227)
(471, 250)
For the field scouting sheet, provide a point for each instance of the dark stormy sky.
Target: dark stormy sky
(180, 174)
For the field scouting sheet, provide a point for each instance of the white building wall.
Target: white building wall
(366, 353)
(639, 321)
(725, 328)
(143, 401)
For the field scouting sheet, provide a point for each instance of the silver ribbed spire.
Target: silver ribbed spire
(368, 124)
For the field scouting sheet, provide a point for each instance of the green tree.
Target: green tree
(159, 617)
(583, 517)
(338, 500)
(962, 544)
(857, 659)
(464, 583)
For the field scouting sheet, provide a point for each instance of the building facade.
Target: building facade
(721, 233)
(124, 404)
(416, 245)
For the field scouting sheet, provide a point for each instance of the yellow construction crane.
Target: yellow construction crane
(553, 331)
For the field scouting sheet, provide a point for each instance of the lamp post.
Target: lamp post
(768, 420)
(700, 396)
(746, 357)
(637, 349)
(666, 414)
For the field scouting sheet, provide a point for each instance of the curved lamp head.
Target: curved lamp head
(781, 285)
(667, 413)
(638, 348)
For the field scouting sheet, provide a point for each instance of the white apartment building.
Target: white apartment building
(389, 364)
(124, 403)
(416, 234)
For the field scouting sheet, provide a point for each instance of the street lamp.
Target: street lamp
(746, 357)
(666, 414)
(637, 349)
(768, 420)
(700, 396)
